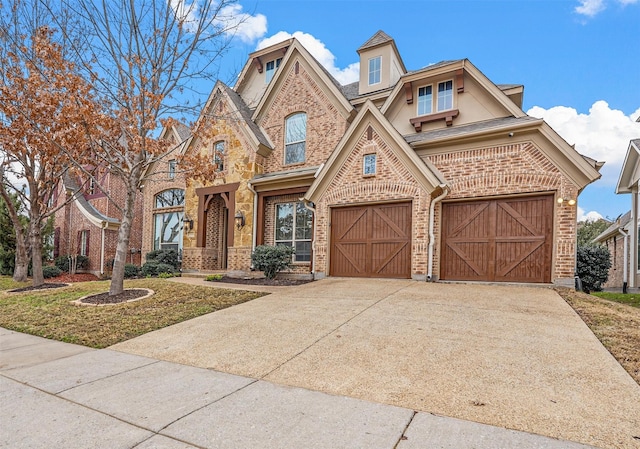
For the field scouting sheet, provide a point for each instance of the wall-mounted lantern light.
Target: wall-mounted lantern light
(570, 202)
(188, 221)
(239, 219)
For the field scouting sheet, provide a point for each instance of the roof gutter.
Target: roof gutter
(625, 268)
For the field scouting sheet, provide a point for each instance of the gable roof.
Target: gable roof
(629, 172)
(333, 87)
(380, 37)
(450, 66)
(87, 209)
(423, 171)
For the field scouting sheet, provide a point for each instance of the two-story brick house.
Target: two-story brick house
(433, 174)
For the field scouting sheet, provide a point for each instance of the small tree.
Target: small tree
(590, 229)
(592, 264)
(272, 259)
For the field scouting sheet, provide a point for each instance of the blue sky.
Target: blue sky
(579, 60)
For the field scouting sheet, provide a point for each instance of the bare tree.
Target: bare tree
(143, 56)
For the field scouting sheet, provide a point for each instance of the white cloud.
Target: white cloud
(602, 134)
(245, 26)
(590, 216)
(319, 51)
(590, 7)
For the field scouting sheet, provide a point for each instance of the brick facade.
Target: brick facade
(515, 169)
(615, 245)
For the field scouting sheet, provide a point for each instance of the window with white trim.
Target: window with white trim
(425, 100)
(293, 223)
(84, 243)
(270, 69)
(445, 95)
(375, 70)
(295, 138)
(218, 155)
(369, 162)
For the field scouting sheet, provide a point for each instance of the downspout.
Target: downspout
(313, 242)
(432, 218)
(102, 248)
(254, 226)
(625, 256)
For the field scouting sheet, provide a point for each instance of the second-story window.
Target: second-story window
(172, 168)
(271, 69)
(218, 155)
(425, 100)
(445, 95)
(295, 138)
(375, 69)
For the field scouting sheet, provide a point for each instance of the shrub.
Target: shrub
(164, 256)
(593, 263)
(131, 271)
(154, 269)
(213, 277)
(51, 271)
(272, 259)
(165, 275)
(62, 262)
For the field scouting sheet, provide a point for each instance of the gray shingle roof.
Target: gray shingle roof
(379, 38)
(183, 131)
(71, 184)
(466, 129)
(246, 114)
(621, 222)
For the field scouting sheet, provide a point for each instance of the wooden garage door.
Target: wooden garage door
(498, 240)
(371, 241)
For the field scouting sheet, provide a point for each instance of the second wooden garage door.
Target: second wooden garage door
(498, 240)
(371, 241)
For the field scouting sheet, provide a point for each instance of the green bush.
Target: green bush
(272, 259)
(593, 263)
(155, 268)
(131, 271)
(51, 271)
(62, 262)
(213, 277)
(164, 256)
(165, 275)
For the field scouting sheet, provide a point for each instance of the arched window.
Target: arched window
(218, 155)
(295, 138)
(167, 220)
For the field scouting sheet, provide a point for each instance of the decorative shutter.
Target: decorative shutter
(56, 242)
(88, 231)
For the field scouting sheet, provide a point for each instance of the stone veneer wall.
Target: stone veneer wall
(519, 168)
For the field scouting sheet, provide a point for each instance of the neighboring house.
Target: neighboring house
(431, 174)
(88, 224)
(623, 235)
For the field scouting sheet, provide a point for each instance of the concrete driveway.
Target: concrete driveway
(514, 357)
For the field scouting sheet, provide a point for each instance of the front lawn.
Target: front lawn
(50, 314)
(615, 323)
(630, 299)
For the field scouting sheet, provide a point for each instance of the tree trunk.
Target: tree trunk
(21, 270)
(124, 233)
(35, 235)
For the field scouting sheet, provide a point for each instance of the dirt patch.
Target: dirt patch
(127, 295)
(616, 325)
(263, 281)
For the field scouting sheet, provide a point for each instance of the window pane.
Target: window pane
(303, 222)
(425, 99)
(296, 128)
(369, 164)
(284, 221)
(218, 155)
(294, 153)
(170, 198)
(303, 252)
(374, 70)
(167, 230)
(445, 95)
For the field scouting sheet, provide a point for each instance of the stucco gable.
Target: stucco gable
(369, 116)
(629, 174)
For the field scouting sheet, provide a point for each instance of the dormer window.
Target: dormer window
(271, 69)
(375, 70)
(425, 100)
(445, 95)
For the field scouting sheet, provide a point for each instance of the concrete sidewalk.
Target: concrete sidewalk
(58, 395)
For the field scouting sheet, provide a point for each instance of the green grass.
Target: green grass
(50, 314)
(6, 283)
(630, 299)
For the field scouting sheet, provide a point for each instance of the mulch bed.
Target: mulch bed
(45, 286)
(60, 281)
(264, 281)
(126, 295)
